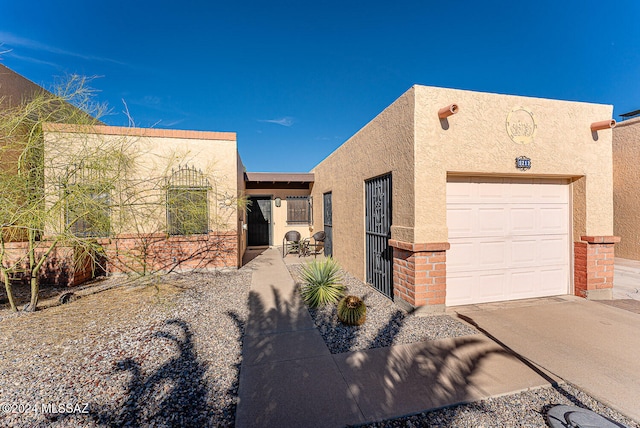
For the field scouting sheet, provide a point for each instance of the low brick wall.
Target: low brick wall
(159, 252)
(420, 273)
(65, 266)
(69, 266)
(594, 266)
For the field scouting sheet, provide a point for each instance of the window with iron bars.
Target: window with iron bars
(299, 209)
(187, 202)
(88, 211)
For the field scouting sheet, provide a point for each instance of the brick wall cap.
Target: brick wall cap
(419, 247)
(601, 239)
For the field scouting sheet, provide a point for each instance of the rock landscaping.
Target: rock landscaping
(148, 353)
(166, 351)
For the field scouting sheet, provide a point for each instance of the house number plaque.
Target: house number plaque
(523, 163)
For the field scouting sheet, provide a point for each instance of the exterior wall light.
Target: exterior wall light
(604, 124)
(278, 202)
(447, 111)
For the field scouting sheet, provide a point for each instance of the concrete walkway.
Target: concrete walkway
(288, 377)
(626, 279)
(589, 344)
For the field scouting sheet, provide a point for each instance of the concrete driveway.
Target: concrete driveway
(591, 345)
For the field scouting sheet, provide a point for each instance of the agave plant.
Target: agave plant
(321, 282)
(352, 310)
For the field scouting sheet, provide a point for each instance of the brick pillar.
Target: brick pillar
(420, 274)
(593, 267)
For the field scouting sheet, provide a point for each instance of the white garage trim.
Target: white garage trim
(509, 239)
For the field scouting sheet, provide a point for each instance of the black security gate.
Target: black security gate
(259, 221)
(328, 213)
(378, 230)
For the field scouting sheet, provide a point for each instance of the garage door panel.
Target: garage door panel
(522, 191)
(461, 255)
(460, 221)
(492, 221)
(459, 190)
(553, 219)
(523, 283)
(552, 191)
(522, 220)
(524, 252)
(554, 280)
(512, 241)
(493, 255)
(461, 286)
(491, 191)
(553, 250)
(491, 286)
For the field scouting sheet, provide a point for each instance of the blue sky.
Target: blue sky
(295, 79)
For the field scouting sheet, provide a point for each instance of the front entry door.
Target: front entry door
(328, 222)
(259, 221)
(378, 231)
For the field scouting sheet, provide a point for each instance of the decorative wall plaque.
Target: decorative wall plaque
(523, 163)
(521, 126)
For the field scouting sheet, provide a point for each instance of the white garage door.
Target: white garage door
(509, 239)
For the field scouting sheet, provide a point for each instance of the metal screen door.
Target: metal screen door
(378, 232)
(259, 221)
(328, 221)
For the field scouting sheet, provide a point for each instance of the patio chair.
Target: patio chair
(291, 243)
(315, 243)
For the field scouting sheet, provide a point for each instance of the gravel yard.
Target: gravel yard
(386, 323)
(168, 353)
(165, 353)
(525, 409)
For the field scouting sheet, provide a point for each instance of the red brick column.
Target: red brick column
(593, 266)
(420, 273)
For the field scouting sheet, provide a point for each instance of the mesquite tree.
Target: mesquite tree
(52, 193)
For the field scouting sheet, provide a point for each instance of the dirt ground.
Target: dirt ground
(55, 323)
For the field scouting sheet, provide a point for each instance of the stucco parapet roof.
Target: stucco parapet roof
(628, 122)
(280, 177)
(138, 132)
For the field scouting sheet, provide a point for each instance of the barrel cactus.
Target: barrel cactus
(352, 310)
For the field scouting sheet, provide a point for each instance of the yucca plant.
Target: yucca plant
(321, 282)
(352, 310)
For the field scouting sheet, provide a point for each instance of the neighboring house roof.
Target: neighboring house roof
(280, 177)
(15, 89)
(629, 115)
(278, 180)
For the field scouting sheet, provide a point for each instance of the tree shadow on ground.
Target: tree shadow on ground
(377, 384)
(393, 381)
(174, 394)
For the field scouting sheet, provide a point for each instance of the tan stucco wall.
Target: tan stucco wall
(384, 145)
(279, 225)
(409, 137)
(476, 142)
(155, 153)
(242, 213)
(626, 188)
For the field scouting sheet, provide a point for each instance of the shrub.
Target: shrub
(321, 282)
(352, 310)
